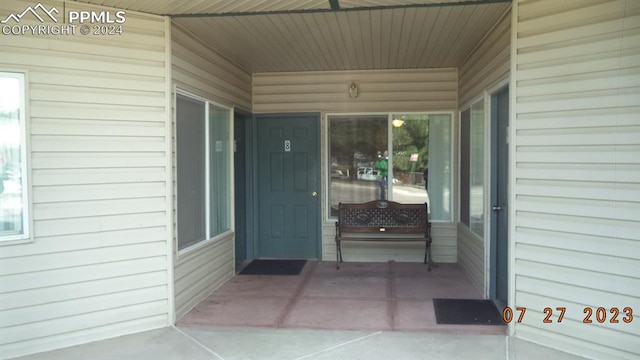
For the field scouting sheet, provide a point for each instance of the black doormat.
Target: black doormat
(466, 312)
(274, 267)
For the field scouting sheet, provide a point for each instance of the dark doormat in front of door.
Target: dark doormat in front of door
(466, 312)
(274, 267)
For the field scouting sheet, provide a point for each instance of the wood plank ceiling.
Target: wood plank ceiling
(319, 35)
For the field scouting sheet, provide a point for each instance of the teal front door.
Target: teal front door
(288, 186)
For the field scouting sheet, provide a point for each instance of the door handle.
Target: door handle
(314, 194)
(496, 208)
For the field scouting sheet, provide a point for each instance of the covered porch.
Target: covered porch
(529, 110)
(362, 311)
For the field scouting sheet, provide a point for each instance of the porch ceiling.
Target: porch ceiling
(318, 35)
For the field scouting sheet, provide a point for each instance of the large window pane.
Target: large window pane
(13, 169)
(361, 169)
(220, 160)
(440, 195)
(203, 137)
(465, 143)
(476, 191)
(472, 145)
(355, 144)
(191, 176)
(410, 158)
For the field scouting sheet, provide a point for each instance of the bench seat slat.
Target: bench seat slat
(404, 239)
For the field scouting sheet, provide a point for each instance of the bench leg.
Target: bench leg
(338, 254)
(427, 257)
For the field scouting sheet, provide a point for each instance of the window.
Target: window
(361, 168)
(472, 165)
(355, 144)
(204, 174)
(14, 214)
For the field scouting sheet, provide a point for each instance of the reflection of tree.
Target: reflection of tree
(357, 139)
(411, 138)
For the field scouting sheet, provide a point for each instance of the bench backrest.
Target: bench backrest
(382, 216)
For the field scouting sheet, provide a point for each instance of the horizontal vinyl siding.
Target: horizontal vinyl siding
(383, 90)
(577, 172)
(198, 273)
(488, 64)
(200, 70)
(471, 255)
(97, 115)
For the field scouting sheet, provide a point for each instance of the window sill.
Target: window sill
(204, 243)
(10, 240)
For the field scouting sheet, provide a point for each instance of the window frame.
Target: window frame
(207, 172)
(389, 115)
(25, 168)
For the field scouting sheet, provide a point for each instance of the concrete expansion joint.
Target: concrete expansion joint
(203, 346)
(339, 345)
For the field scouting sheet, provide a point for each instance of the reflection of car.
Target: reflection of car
(340, 174)
(367, 173)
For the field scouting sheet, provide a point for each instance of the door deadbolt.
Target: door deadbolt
(314, 194)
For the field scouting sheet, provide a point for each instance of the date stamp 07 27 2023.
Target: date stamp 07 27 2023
(600, 315)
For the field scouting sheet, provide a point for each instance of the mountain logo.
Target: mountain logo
(33, 10)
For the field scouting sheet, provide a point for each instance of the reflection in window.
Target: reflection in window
(203, 170)
(357, 143)
(220, 168)
(410, 158)
(440, 168)
(13, 168)
(472, 167)
(361, 169)
(476, 191)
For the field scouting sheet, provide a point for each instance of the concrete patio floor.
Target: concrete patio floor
(197, 343)
(362, 311)
(391, 296)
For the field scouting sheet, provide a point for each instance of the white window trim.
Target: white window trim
(226, 234)
(389, 115)
(25, 168)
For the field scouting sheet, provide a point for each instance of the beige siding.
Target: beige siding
(384, 90)
(471, 256)
(200, 70)
(483, 69)
(577, 172)
(97, 112)
(488, 64)
(198, 273)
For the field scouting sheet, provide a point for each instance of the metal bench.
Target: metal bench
(383, 220)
